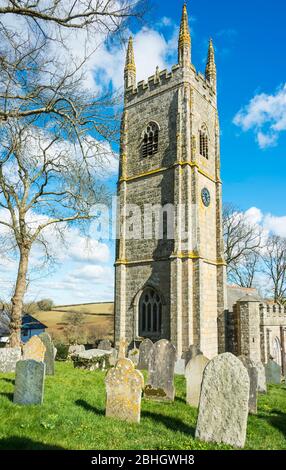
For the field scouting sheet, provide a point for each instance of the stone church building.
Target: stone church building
(173, 287)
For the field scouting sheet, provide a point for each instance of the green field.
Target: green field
(72, 417)
(98, 315)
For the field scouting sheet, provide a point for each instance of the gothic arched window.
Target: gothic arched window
(204, 142)
(150, 313)
(150, 140)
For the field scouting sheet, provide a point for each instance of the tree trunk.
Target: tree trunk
(18, 298)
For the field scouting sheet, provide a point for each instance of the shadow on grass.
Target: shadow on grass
(10, 381)
(277, 419)
(170, 422)
(23, 443)
(10, 396)
(83, 404)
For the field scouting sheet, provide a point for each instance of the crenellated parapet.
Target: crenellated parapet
(272, 315)
(168, 79)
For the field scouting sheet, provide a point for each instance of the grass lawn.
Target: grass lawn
(72, 417)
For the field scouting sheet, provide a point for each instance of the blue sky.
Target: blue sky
(249, 39)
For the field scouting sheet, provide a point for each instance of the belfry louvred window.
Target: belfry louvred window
(204, 142)
(150, 140)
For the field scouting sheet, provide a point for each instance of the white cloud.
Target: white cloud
(93, 273)
(266, 115)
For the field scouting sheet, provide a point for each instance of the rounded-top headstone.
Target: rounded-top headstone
(29, 382)
(124, 386)
(34, 349)
(223, 407)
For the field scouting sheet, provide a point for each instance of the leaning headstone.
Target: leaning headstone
(122, 348)
(49, 354)
(194, 376)
(29, 382)
(75, 349)
(133, 355)
(261, 378)
(160, 384)
(253, 379)
(273, 372)
(124, 386)
(55, 352)
(9, 358)
(191, 352)
(34, 349)
(105, 345)
(144, 352)
(223, 407)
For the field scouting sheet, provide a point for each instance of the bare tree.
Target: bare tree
(243, 241)
(243, 272)
(274, 259)
(54, 133)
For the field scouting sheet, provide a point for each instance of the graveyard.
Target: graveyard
(72, 416)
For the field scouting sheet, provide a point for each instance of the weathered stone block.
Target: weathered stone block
(9, 358)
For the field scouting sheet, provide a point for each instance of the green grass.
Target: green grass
(72, 417)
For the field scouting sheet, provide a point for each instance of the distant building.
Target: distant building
(30, 327)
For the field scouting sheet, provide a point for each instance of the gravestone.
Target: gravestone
(180, 367)
(122, 349)
(160, 384)
(144, 352)
(194, 376)
(253, 379)
(9, 358)
(75, 349)
(223, 407)
(105, 345)
(273, 372)
(34, 349)
(133, 355)
(55, 352)
(261, 378)
(191, 352)
(49, 359)
(124, 386)
(29, 382)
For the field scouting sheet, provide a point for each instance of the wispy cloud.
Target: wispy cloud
(265, 114)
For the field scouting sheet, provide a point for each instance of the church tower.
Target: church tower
(171, 282)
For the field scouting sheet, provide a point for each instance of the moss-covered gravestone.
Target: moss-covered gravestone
(160, 384)
(124, 387)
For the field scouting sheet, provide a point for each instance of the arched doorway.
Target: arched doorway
(277, 351)
(150, 314)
